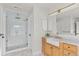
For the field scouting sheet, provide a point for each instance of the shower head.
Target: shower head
(17, 14)
(17, 17)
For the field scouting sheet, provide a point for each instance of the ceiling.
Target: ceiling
(18, 6)
(73, 13)
(53, 6)
(28, 6)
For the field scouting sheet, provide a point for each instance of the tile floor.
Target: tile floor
(25, 52)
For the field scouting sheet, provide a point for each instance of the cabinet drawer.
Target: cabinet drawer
(55, 51)
(69, 53)
(70, 47)
(48, 49)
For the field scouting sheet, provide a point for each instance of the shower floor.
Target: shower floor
(25, 52)
(16, 47)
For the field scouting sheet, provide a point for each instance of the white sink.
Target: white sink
(53, 41)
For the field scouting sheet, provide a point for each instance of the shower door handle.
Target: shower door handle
(2, 35)
(29, 34)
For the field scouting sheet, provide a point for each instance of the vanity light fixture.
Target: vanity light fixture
(61, 9)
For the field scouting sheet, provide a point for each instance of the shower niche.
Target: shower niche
(16, 31)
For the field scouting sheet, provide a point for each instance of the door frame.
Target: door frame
(3, 30)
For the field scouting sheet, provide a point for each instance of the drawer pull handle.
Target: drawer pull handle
(68, 53)
(68, 47)
(50, 47)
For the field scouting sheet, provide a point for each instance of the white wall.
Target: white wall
(52, 24)
(39, 15)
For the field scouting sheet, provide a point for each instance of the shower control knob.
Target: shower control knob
(29, 34)
(2, 36)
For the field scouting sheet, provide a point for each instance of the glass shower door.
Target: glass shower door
(16, 30)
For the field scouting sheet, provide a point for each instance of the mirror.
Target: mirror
(68, 22)
(64, 24)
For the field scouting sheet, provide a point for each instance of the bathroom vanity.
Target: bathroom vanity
(66, 27)
(49, 49)
(59, 47)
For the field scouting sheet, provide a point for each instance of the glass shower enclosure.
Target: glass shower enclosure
(16, 30)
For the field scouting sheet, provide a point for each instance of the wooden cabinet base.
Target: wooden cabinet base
(63, 49)
(55, 51)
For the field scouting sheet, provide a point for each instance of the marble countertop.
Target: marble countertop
(53, 41)
(70, 40)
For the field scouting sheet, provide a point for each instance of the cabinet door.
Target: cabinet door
(55, 51)
(61, 49)
(69, 53)
(48, 50)
(43, 45)
(70, 47)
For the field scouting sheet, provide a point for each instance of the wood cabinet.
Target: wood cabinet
(51, 50)
(61, 49)
(69, 53)
(48, 49)
(68, 49)
(55, 51)
(64, 49)
(43, 45)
